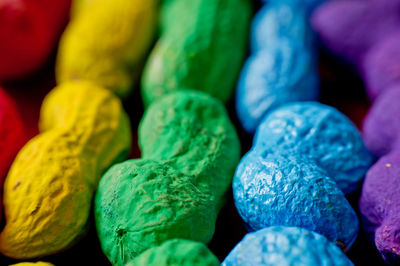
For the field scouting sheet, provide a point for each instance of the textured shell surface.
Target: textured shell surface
(321, 133)
(280, 245)
(193, 131)
(201, 41)
(190, 150)
(177, 252)
(380, 208)
(48, 191)
(141, 203)
(280, 73)
(292, 191)
(117, 34)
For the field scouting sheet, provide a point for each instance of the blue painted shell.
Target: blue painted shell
(285, 246)
(291, 190)
(282, 67)
(321, 133)
(310, 5)
(280, 73)
(277, 22)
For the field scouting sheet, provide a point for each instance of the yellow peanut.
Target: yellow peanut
(39, 263)
(78, 5)
(106, 42)
(48, 191)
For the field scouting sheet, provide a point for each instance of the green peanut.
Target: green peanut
(202, 47)
(178, 252)
(190, 150)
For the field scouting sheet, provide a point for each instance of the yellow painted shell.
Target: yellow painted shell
(48, 191)
(78, 5)
(39, 263)
(106, 42)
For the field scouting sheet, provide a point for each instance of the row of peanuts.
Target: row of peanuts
(162, 208)
(189, 147)
(290, 187)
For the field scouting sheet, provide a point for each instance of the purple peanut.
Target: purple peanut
(367, 34)
(351, 28)
(382, 65)
(380, 206)
(381, 126)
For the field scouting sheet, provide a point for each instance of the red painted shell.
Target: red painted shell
(28, 32)
(11, 133)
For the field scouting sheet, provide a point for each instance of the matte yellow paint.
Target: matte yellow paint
(48, 191)
(78, 5)
(39, 263)
(106, 42)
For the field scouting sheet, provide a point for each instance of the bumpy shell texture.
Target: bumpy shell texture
(201, 41)
(176, 252)
(193, 132)
(292, 191)
(282, 67)
(106, 42)
(141, 203)
(278, 74)
(190, 150)
(380, 206)
(322, 134)
(48, 192)
(279, 245)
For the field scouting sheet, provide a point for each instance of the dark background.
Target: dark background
(340, 87)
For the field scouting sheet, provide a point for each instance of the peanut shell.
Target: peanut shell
(48, 191)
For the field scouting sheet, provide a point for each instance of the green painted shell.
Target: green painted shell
(190, 150)
(177, 252)
(202, 47)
